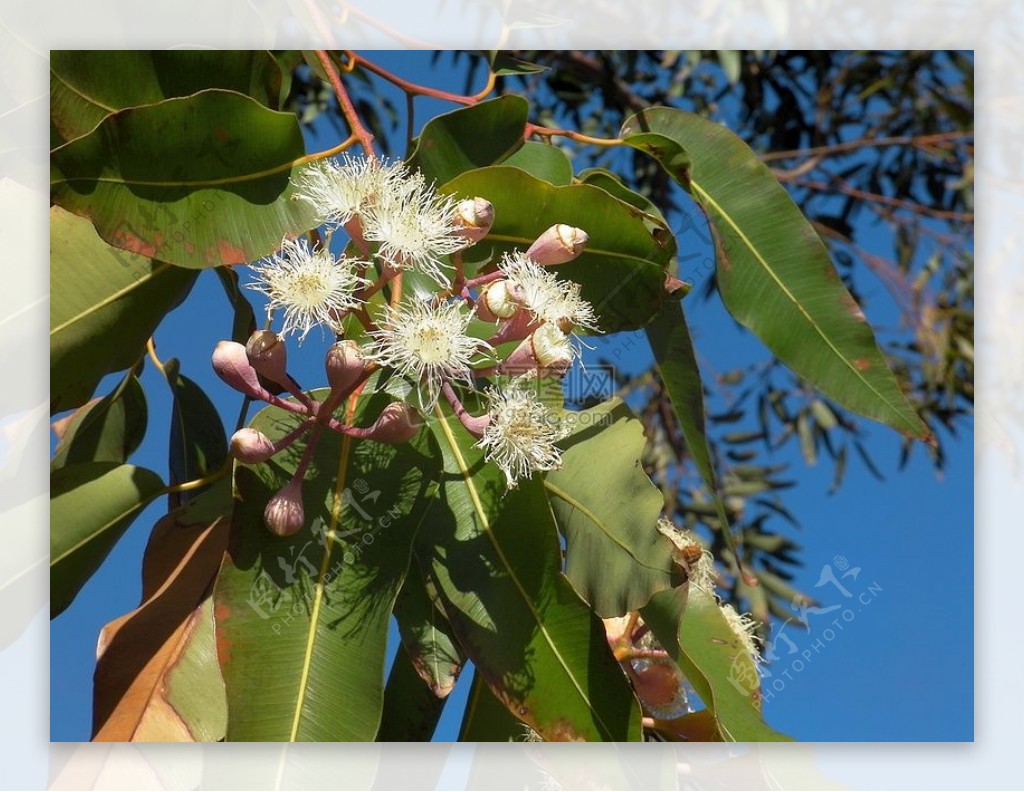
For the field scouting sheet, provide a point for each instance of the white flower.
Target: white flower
(342, 190)
(427, 342)
(690, 554)
(743, 627)
(415, 227)
(521, 435)
(547, 298)
(312, 287)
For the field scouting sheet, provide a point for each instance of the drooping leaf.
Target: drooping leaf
(543, 160)
(244, 323)
(411, 710)
(672, 348)
(503, 64)
(470, 137)
(198, 443)
(774, 272)
(87, 85)
(105, 430)
(486, 719)
(157, 677)
(104, 304)
(427, 637)
(197, 181)
(303, 621)
(91, 506)
(701, 642)
(495, 560)
(608, 508)
(621, 270)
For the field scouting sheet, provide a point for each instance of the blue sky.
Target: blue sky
(893, 662)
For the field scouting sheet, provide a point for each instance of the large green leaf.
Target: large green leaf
(470, 137)
(198, 444)
(411, 710)
(427, 638)
(88, 85)
(197, 181)
(542, 160)
(91, 506)
(774, 272)
(303, 621)
(106, 430)
(608, 508)
(495, 559)
(677, 364)
(622, 269)
(104, 304)
(486, 719)
(697, 636)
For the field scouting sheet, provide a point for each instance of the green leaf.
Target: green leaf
(303, 621)
(427, 638)
(495, 559)
(198, 444)
(411, 710)
(197, 181)
(731, 61)
(677, 364)
(622, 269)
(542, 160)
(470, 137)
(608, 508)
(697, 636)
(244, 323)
(104, 304)
(107, 430)
(87, 85)
(504, 65)
(91, 506)
(774, 272)
(486, 719)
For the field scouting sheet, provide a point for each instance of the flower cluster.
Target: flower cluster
(442, 340)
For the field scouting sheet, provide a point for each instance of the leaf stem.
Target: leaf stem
(360, 132)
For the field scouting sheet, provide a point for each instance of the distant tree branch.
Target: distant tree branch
(852, 145)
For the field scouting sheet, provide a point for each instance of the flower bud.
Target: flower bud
(474, 218)
(268, 355)
(251, 446)
(496, 302)
(284, 515)
(557, 245)
(344, 365)
(547, 351)
(397, 423)
(231, 363)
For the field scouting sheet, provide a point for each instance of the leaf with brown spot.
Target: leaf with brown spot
(157, 676)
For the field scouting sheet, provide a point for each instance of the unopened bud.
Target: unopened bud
(496, 302)
(231, 363)
(557, 245)
(474, 218)
(267, 354)
(284, 515)
(345, 365)
(547, 351)
(397, 423)
(251, 446)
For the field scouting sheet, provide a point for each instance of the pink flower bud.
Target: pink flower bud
(284, 515)
(268, 355)
(232, 365)
(251, 446)
(557, 245)
(474, 218)
(345, 365)
(547, 351)
(397, 423)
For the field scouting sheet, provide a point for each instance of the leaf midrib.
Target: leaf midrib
(478, 506)
(792, 298)
(111, 298)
